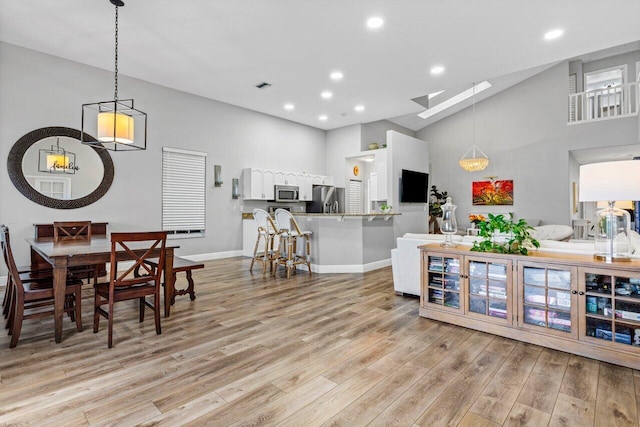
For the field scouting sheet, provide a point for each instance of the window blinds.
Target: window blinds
(355, 196)
(183, 191)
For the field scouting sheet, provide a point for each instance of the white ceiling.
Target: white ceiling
(221, 49)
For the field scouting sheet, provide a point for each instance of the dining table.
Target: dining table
(68, 253)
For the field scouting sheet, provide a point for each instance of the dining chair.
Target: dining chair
(69, 231)
(27, 274)
(266, 236)
(30, 299)
(136, 281)
(295, 245)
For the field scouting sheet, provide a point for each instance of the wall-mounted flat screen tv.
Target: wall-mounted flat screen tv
(413, 187)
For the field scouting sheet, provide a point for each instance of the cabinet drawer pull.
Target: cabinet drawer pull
(580, 293)
(574, 292)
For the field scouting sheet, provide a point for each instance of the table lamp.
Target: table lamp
(611, 181)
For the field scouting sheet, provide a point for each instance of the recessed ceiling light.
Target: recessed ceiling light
(359, 108)
(437, 69)
(375, 22)
(553, 34)
(289, 107)
(336, 75)
(326, 94)
(322, 117)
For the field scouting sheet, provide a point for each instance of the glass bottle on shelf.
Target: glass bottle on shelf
(449, 225)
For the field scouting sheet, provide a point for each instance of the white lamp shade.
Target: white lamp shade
(610, 181)
(57, 161)
(116, 127)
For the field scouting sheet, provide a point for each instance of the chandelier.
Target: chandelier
(474, 159)
(117, 124)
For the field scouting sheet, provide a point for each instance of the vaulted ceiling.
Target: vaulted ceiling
(221, 49)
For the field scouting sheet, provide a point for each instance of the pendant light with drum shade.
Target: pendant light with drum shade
(471, 161)
(117, 124)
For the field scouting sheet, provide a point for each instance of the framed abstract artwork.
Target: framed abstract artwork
(486, 193)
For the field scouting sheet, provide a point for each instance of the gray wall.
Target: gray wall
(39, 90)
(524, 132)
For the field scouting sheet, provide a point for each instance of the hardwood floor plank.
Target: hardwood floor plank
(571, 411)
(581, 379)
(542, 387)
(364, 409)
(254, 350)
(333, 401)
(453, 403)
(497, 399)
(616, 404)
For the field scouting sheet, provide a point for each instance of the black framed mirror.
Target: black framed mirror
(94, 181)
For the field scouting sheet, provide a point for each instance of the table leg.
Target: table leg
(59, 291)
(169, 281)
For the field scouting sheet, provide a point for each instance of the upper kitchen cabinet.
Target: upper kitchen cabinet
(305, 184)
(322, 180)
(257, 184)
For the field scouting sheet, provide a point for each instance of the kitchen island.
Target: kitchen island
(341, 242)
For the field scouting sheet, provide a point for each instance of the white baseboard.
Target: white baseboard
(213, 255)
(352, 268)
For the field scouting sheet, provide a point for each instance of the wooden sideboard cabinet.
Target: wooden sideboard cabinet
(567, 302)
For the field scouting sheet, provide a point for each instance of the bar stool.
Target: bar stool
(295, 245)
(266, 234)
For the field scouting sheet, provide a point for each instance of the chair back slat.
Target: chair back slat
(264, 221)
(80, 230)
(139, 247)
(286, 221)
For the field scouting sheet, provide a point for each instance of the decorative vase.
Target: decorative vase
(449, 225)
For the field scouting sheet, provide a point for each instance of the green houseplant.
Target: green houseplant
(505, 236)
(437, 198)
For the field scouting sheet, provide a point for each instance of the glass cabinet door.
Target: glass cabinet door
(488, 292)
(442, 287)
(546, 297)
(611, 310)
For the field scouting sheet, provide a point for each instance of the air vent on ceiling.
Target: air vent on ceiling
(263, 85)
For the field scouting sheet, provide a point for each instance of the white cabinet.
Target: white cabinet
(305, 184)
(373, 187)
(257, 184)
(322, 180)
(381, 193)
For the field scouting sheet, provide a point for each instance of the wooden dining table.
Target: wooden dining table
(69, 253)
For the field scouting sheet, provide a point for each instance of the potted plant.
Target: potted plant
(505, 236)
(384, 208)
(436, 200)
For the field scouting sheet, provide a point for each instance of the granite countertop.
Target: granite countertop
(249, 215)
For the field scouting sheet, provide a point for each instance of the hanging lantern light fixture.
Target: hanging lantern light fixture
(474, 159)
(117, 124)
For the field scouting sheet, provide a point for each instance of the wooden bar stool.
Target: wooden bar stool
(266, 235)
(295, 245)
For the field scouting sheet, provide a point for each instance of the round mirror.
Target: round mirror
(52, 168)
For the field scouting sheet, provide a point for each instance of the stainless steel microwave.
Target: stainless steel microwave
(286, 193)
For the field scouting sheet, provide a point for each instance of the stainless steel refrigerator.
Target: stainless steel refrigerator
(327, 199)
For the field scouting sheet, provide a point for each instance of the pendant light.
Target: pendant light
(475, 162)
(117, 124)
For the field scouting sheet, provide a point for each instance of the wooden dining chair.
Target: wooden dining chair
(136, 282)
(34, 299)
(73, 231)
(27, 274)
(67, 230)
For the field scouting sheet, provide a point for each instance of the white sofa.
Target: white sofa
(405, 258)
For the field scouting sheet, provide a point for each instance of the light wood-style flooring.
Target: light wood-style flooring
(327, 350)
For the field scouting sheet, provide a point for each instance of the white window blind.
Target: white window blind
(183, 192)
(355, 196)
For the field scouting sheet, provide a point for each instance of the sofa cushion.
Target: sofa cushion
(634, 240)
(552, 232)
